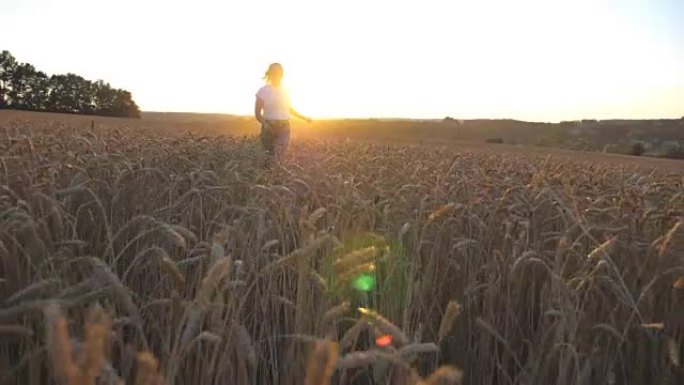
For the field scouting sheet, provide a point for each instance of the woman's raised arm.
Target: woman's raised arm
(300, 116)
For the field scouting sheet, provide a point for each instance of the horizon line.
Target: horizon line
(397, 118)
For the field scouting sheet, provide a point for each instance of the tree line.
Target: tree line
(22, 87)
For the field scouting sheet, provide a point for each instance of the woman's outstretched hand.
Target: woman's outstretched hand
(300, 116)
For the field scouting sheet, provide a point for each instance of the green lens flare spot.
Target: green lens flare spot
(364, 282)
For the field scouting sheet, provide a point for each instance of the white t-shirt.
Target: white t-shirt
(276, 102)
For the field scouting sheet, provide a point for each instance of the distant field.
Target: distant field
(222, 124)
(161, 251)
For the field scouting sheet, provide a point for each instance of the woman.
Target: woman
(273, 110)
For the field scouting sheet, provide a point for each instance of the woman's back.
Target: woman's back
(276, 102)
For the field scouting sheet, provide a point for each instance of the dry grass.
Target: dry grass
(156, 258)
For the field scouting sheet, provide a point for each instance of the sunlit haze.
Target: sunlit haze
(539, 60)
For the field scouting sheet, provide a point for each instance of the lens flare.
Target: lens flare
(383, 341)
(364, 282)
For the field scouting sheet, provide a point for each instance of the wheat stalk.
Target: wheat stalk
(322, 363)
(453, 309)
(218, 271)
(351, 336)
(398, 337)
(674, 238)
(148, 370)
(336, 312)
(355, 258)
(444, 375)
(603, 250)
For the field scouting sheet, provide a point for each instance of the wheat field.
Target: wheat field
(132, 255)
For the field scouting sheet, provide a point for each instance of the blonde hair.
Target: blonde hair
(272, 69)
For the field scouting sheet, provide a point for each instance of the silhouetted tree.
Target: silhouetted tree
(23, 87)
(8, 66)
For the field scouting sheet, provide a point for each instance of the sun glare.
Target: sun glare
(528, 59)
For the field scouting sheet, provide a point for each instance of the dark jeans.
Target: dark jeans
(275, 137)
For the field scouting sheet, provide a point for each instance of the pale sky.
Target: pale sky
(540, 60)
